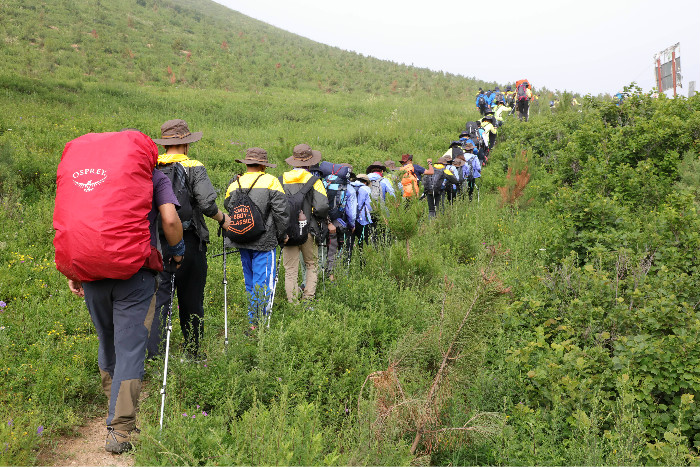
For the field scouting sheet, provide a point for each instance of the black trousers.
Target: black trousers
(434, 202)
(190, 280)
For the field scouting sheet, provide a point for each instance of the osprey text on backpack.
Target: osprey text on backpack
(104, 194)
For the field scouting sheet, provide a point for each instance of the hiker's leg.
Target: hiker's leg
(263, 278)
(190, 281)
(247, 265)
(431, 203)
(98, 298)
(290, 259)
(134, 306)
(310, 253)
(156, 338)
(332, 249)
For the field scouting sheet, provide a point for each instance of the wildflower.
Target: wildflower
(204, 413)
(9, 423)
(279, 379)
(184, 414)
(193, 416)
(40, 430)
(197, 406)
(2, 304)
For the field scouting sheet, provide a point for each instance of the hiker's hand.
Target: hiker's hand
(286, 239)
(76, 287)
(172, 264)
(226, 222)
(430, 161)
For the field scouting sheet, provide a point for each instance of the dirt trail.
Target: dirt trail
(86, 449)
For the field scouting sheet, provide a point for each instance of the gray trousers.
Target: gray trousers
(122, 312)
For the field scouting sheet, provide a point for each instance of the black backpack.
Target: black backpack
(178, 179)
(247, 222)
(298, 233)
(482, 101)
(433, 183)
(473, 129)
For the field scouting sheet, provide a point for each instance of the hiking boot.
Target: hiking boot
(119, 442)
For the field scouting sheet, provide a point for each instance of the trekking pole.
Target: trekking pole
(477, 194)
(225, 282)
(169, 328)
(323, 266)
(268, 308)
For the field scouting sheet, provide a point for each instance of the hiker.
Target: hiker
(471, 170)
(454, 151)
(121, 302)
(379, 184)
(498, 112)
(433, 181)
(523, 95)
(259, 254)
(417, 169)
(489, 133)
(391, 176)
(409, 178)
(336, 179)
(481, 102)
(359, 211)
(510, 99)
(311, 212)
(197, 198)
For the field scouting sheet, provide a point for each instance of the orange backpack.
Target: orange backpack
(409, 181)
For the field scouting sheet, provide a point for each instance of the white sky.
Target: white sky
(595, 46)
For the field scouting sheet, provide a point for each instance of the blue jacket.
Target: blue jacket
(384, 184)
(418, 170)
(485, 99)
(358, 207)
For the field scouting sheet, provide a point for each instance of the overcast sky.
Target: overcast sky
(595, 46)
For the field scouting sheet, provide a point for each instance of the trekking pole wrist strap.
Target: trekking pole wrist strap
(177, 250)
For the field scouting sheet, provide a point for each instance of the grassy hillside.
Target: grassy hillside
(553, 321)
(193, 43)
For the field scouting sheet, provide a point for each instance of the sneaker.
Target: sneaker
(118, 442)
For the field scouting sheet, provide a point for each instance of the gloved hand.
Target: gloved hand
(172, 264)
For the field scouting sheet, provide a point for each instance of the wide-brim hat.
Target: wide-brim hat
(256, 156)
(406, 158)
(454, 144)
(174, 132)
(303, 156)
(443, 160)
(363, 177)
(468, 147)
(376, 165)
(488, 117)
(459, 161)
(391, 165)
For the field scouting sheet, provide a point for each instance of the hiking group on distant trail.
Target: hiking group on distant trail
(129, 259)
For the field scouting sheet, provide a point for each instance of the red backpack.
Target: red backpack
(522, 92)
(104, 193)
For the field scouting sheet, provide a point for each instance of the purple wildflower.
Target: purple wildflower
(279, 379)
(184, 414)
(193, 416)
(204, 413)
(2, 304)
(197, 406)
(9, 423)
(40, 430)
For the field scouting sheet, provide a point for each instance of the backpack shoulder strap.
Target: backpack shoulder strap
(252, 185)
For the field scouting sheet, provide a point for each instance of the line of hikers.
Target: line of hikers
(509, 101)
(153, 244)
